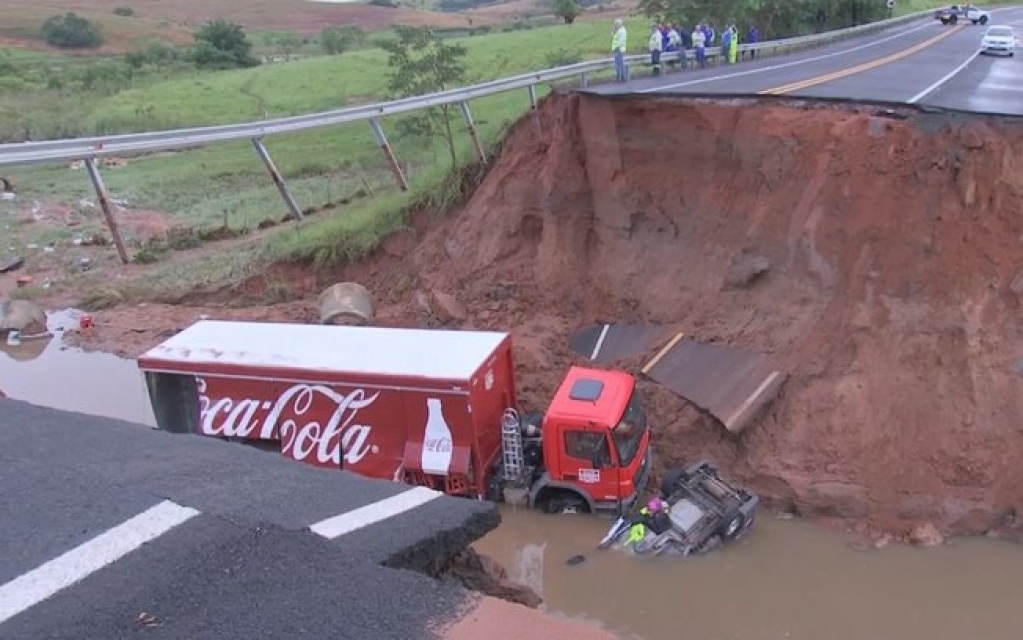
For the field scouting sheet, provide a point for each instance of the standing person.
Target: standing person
(733, 49)
(753, 37)
(656, 40)
(618, 49)
(700, 46)
(726, 44)
(687, 44)
(675, 44)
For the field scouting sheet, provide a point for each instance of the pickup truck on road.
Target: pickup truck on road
(956, 12)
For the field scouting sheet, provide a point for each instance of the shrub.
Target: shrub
(70, 31)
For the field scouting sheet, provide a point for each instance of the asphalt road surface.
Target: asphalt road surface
(110, 530)
(922, 62)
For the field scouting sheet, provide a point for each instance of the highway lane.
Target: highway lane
(922, 62)
(766, 73)
(987, 83)
(949, 73)
(241, 543)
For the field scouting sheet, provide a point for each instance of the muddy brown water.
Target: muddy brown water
(786, 580)
(45, 372)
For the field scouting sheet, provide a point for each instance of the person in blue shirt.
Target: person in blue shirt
(726, 43)
(752, 37)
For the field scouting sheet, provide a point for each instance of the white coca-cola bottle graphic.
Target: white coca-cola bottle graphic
(436, 457)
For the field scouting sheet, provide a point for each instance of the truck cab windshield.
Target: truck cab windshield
(629, 431)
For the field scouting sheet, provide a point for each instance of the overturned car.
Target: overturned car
(697, 511)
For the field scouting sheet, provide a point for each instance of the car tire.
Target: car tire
(731, 525)
(983, 19)
(670, 480)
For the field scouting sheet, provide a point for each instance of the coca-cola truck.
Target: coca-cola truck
(435, 408)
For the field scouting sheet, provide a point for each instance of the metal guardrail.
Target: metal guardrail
(90, 148)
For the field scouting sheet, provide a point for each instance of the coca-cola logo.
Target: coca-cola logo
(437, 445)
(326, 443)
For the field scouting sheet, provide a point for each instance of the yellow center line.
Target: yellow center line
(866, 66)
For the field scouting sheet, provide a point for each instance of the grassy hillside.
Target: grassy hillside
(330, 82)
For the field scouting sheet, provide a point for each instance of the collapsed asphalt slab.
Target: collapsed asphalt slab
(246, 566)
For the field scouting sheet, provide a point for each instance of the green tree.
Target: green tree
(567, 10)
(70, 31)
(287, 43)
(336, 40)
(222, 45)
(421, 62)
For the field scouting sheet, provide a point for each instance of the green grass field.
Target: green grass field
(203, 187)
(226, 184)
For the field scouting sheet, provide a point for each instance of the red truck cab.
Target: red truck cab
(596, 445)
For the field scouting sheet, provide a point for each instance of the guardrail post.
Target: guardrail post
(104, 203)
(532, 97)
(392, 162)
(278, 179)
(584, 80)
(481, 154)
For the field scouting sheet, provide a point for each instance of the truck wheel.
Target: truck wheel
(731, 525)
(566, 503)
(671, 479)
(953, 19)
(983, 19)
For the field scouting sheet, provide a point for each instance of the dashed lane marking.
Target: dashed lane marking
(372, 513)
(29, 589)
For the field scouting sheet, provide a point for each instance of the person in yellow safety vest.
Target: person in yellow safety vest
(655, 44)
(653, 517)
(618, 36)
(733, 49)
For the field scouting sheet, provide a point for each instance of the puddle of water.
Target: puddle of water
(785, 580)
(44, 372)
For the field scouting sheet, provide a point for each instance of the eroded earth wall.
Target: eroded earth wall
(893, 239)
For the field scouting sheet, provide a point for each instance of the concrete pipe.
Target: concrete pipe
(347, 303)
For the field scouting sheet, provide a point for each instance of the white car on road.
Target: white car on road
(998, 39)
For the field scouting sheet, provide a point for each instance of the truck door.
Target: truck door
(589, 463)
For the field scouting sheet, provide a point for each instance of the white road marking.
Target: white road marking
(784, 65)
(600, 342)
(29, 589)
(945, 78)
(372, 513)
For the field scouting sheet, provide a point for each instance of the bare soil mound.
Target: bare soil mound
(893, 240)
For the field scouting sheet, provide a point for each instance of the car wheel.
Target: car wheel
(983, 19)
(670, 481)
(731, 525)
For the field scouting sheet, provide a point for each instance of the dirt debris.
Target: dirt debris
(483, 574)
(891, 250)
